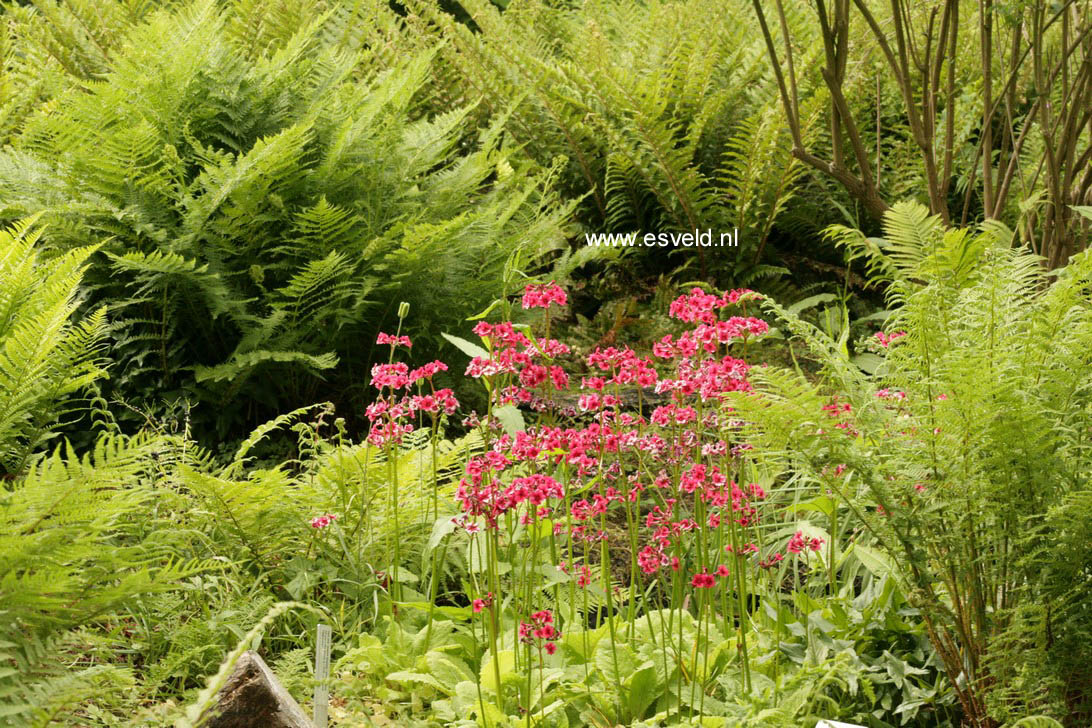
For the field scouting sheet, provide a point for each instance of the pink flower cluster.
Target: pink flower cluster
(709, 337)
(535, 375)
(701, 306)
(543, 295)
(841, 411)
(771, 561)
(427, 371)
(322, 521)
(887, 339)
(540, 630)
(664, 466)
(390, 376)
(490, 499)
(798, 543)
(390, 413)
(724, 500)
(388, 416)
(394, 340)
(502, 334)
(480, 604)
(398, 375)
(705, 580)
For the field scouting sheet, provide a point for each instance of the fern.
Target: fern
(960, 481)
(45, 357)
(263, 193)
(71, 553)
(633, 97)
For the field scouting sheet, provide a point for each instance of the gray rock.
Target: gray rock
(253, 698)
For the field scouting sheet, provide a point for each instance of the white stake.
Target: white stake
(322, 674)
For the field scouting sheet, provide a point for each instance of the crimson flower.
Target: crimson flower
(322, 521)
(543, 295)
(703, 580)
(394, 340)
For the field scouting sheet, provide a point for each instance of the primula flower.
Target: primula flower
(887, 339)
(589, 402)
(741, 294)
(596, 383)
(533, 375)
(427, 371)
(375, 410)
(687, 449)
(394, 340)
(502, 334)
(799, 542)
(540, 627)
(695, 306)
(390, 376)
(559, 377)
(703, 580)
(774, 559)
(389, 432)
(664, 348)
(650, 559)
(541, 296)
(482, 367)
(322, 521)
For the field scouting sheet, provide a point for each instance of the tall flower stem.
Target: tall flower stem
(437, 562)
(741, 594)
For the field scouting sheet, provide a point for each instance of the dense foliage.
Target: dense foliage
(300, 325)
(260, 208)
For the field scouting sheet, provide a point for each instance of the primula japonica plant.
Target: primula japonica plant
(404, 395)
(617, 541)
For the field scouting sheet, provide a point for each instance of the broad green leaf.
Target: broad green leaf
(404, 575)
(811, 302)
(506, 665)
(440, 528)
(469, 348)
(422, 678)
(616, 664)
(449, 670)
(583, 642)
(867, 362)
(510, 418)
(820, 504)
(878, 563)
(645, 687)
(447, 610)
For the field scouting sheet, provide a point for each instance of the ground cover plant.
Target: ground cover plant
(306, 319)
